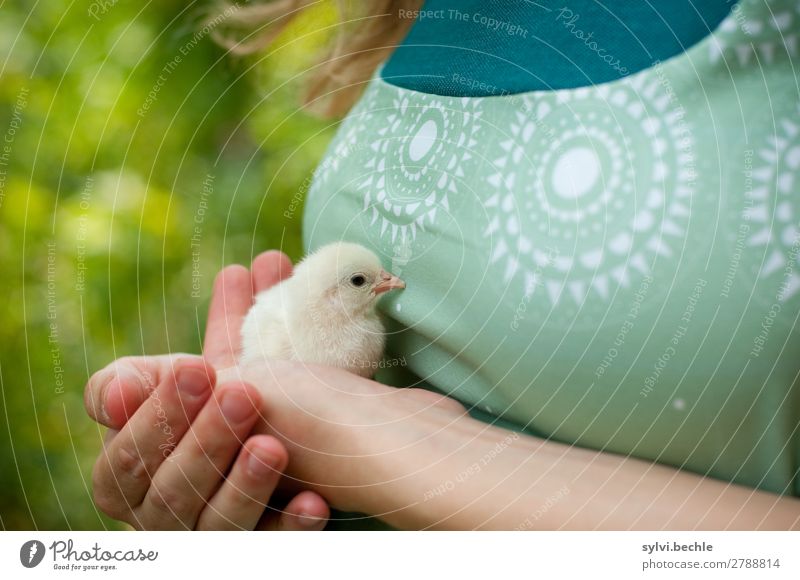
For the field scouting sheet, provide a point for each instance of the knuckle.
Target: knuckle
(214, 452)
(106, 497)
(168, 502)
(127, 368)
(241, 500)
(140, 375)
(109, 505)
(129, 464)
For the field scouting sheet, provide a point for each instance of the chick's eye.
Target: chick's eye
(358, 280)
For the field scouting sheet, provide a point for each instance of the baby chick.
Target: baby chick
(324, 313)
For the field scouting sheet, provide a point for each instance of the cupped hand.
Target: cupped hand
(178, 453)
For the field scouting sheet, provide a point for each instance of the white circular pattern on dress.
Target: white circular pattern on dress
(422, 142)
(576, 172)
(605, 193)
(418, 157)
(773, 215)
(747, 34)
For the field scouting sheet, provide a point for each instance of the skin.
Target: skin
(418, 461)
(179, 452)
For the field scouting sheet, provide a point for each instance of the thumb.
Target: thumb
(114, 393)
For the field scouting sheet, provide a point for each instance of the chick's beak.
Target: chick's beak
(388, 282)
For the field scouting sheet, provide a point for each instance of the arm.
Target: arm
(502, 480)
(417, 461)
(178, 453)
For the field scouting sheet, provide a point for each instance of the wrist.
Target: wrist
(373, 449)
(409, 461)
(330, 422)
(388, 452)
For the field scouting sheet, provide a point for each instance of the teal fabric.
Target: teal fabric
(492, 47)
(613, 266)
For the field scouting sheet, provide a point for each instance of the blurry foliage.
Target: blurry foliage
(99, 205)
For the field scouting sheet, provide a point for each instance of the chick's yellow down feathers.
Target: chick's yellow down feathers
(324, 313)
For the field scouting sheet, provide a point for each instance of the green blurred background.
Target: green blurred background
(127, 180)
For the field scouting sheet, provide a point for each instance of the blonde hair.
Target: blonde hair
(364, 38)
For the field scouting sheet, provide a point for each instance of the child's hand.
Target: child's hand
(178, 454)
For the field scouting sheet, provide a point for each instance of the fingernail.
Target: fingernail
(236, 406)
(112, 389)
(261, 463)
(310, 522)
(192, 381)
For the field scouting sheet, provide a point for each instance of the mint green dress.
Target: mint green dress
(615, 266)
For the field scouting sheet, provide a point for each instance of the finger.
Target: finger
(109, 437)
(114, 393)
(123, 471)
(308, 511)
(230, 300)
(184, 483)
(269, 268)
(240, 502)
